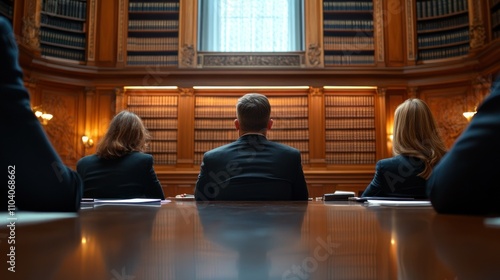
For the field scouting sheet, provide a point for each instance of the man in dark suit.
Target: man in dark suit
(252, 167)
(35, 179)
(466, 180)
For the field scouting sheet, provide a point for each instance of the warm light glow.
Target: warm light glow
(349, 87)
(84, 240)
(150, 87)
(38, 114)
(42, 116)
(391, 137)
(469, 115)
(393, 241)
(87, 141)
(250, 87)
(46, 116)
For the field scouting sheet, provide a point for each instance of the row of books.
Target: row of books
(350, 158)
(166, 159)
(230, 102)
(443, 52)
(349, 59)
(160, 123)
(161, 60)
(496, 34)
(224, 112)
(62, 38)
(155, 112)
(349, 112)
(354, 146)
(451, 37)
(163, 134)
(71, 25)
(348, 5)
(350, 135)
(433, 8)
(359, 123)
(153, 25)
(287, 102)
(153, 6)
(70, 54)
(351, 24)
(152, 41)
(153, 100)
(357, 40)
(443, 23)
(340, 100)
(155, 47)
(162, 146)
(346, 46)
(68, 8)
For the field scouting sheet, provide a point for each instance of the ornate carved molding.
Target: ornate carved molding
(314, 55)
(186, 91)
(31, 27)
(187, 55)
(379, 30)
(251, 60)
(315, 91)
(91, 32)
(381, 91)
(477, 31)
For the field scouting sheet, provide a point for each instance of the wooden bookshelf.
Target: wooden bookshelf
(348, 32)
(350, 128)
(159, 114)
(153, 31)
(62, 29)
(442, 29)
(7, 9)
(495, 18)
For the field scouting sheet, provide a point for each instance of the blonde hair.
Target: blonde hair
(416, 134)
(126, 134)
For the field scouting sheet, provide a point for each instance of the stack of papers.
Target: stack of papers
(399, 203)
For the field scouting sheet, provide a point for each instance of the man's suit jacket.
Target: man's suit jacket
(251, 168)
(397, 177)
(467, 179)
(129, 176)
(35, 177)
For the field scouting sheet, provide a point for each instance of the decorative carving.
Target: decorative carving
(249, 60)
(448, 111)
(315, 91)
(91, 32)
(186, 91)
(31, 28)
(314, 54)
(381, 91)
(477, 35)
(379, 30)
(187, 55)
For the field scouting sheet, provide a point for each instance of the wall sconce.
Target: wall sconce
(87, 141)
(42, 115)
(469, 115)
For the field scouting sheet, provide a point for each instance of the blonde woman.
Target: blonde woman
(417, 148)
(120, 168)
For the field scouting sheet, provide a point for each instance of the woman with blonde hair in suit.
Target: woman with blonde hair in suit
(417, 148)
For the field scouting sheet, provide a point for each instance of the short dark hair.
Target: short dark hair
(253, 112)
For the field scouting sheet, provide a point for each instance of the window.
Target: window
(250, 25)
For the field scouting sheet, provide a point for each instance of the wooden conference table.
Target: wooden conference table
(244, 240)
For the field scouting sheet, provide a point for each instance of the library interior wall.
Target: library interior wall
(85, 96)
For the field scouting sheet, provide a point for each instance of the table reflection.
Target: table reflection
(256, 234)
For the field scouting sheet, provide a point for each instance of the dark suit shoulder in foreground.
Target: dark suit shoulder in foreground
(467, 180)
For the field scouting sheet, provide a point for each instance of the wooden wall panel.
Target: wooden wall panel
(394, 24)
(107, 30)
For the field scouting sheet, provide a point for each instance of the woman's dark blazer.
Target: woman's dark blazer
(129, 176)
(34, 176)
(467, 180)
(397, 177)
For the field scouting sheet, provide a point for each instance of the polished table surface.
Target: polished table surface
(250, 240)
